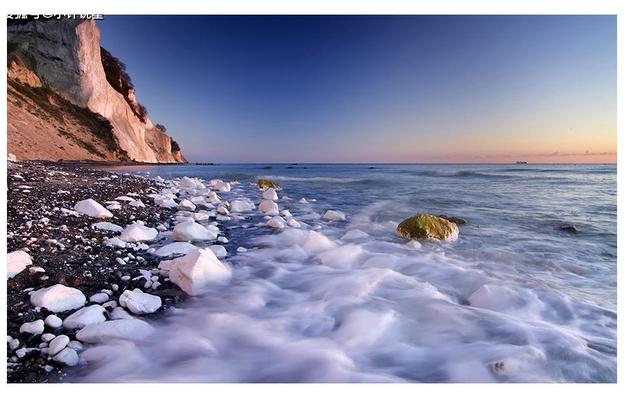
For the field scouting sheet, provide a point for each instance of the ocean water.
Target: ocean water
(514, 299)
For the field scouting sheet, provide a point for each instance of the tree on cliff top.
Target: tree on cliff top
(117, 76)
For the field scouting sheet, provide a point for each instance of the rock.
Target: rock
(92, 208)
(115, 242)
(68, 357)
(174, 248)
(75, 345)
(17, 261)
(316, 242)
(455, 220)
(293, 223)
(413, 244)
(53, 321)
(568, 228)
(127, 329)
(188, 183)
(334, 215)
(277, 222)
(270, 194)
(222, 209)
(222, 186)
(212, 198)
(47, 337)
(263, 183)
(36, 270)
(139, 302)
(58, 298)
(218, 250)
(107, 226)
(200, 216)
(241, 205)
(268, 207)
(190, 231)
(119, 313)
(425, 226)
(85, 316)
(354, 234)
(193, 272)
(99, 298)
(58, 344)
(166, 202)
(137, 232)
(186, 205)
(35, 328)
(285, 213)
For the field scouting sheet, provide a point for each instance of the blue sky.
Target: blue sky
(376, 88)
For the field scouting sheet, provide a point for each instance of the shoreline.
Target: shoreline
(66, 250)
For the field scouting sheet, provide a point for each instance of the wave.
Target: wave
(339, 180)
(457, 173)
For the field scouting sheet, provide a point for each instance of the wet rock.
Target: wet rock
(139, 302)
(570, 228)
(193, 272)
(427, 227)
(334, 215)
(263, 183)
(85, 316)
(453, 219)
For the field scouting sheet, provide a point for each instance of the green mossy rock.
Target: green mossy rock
(425, 226)
(264, 184)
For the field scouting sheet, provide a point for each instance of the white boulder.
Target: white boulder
(174, 248)
(53, 321)
(268, 207)
(334, 215)
(92, 208)
(221, 186)
(218, 250)
(241, 205)
(139, 302)
(186, 204)
(68, 357)
(316, 242)
(193, 272)
(35, 328)
(277, 222)
(99, 298)
(270, 194)
(58, 298)
(293, 223)
(107, 226)
(58, 344)
(17, 261)
(137, 232)
(85, 316)
(190, 231)
(126, 329)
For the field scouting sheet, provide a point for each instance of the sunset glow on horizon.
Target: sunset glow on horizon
(376, 89)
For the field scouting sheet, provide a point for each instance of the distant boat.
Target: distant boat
(521, 162)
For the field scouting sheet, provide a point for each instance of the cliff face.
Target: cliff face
(65, 57)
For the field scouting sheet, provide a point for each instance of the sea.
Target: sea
(516, 298)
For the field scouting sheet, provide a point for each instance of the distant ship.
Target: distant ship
(521, 162)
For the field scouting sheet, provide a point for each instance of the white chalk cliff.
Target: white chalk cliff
(65, 55)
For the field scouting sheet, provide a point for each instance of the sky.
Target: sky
(376, 89)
